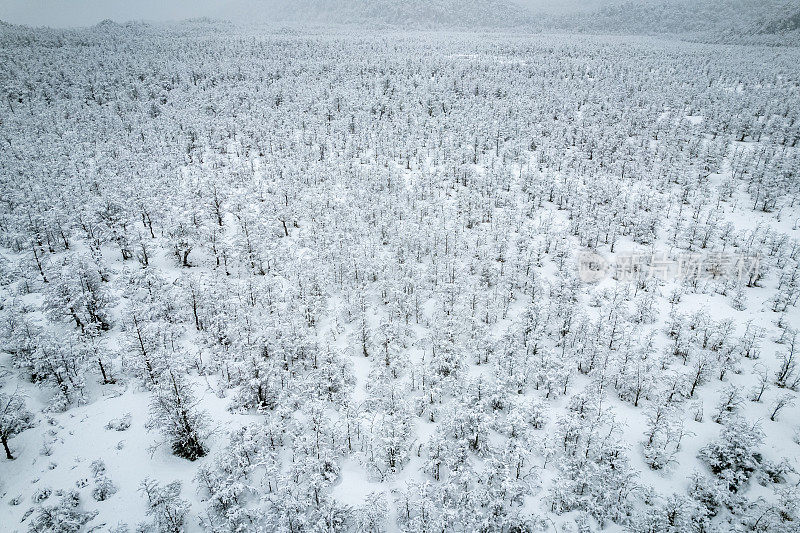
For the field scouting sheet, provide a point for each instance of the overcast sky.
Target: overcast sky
(68, 13)
(64, 13)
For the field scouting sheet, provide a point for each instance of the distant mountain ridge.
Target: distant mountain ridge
(723, 20)
(782, 23)
(404, 13)
(772, 22)
(675, 16)
(723, 17)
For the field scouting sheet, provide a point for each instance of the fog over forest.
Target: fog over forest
(88, 12)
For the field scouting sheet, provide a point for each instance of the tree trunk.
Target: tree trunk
(106, 381)
(8, 451)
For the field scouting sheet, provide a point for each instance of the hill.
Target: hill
(400, 13)
(732, 21)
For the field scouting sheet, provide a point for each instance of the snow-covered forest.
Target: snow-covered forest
(326, 279)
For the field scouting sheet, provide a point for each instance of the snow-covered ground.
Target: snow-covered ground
(332, 282)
